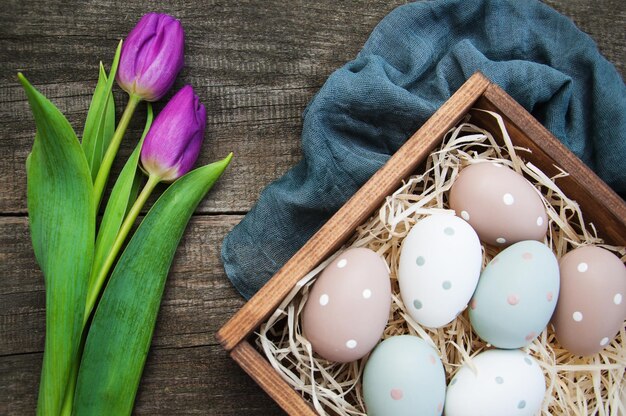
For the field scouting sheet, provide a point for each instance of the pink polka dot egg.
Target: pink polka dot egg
(591, 308)
(404, 376)
(516, 295)
(499, 203)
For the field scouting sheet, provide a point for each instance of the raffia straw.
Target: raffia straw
(575, 386)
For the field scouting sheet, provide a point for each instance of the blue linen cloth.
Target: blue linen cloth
(413, 61)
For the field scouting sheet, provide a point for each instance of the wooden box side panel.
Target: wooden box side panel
(600, 205)
(257, 367)
(341, 226)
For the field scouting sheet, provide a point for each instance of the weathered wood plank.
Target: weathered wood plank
(201, 380)
(256, 366)
(187, 371)
(198, 297)
(254, 64)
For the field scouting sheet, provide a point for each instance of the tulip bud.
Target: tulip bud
(152, 56)
(172, 145)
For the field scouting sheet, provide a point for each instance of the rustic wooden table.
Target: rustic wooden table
(255, 64)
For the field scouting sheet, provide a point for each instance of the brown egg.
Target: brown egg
(591, 307)
(500, 204)
(348, 306)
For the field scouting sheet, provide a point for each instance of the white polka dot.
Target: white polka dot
(508, 199)
(604, 341)
(582, 267)
(342, 263)
(578, 316)
(500, 240)
(351, 344)
(367, 294)
(617, 299)
(539, 221)
(324, 299)
(465, 215)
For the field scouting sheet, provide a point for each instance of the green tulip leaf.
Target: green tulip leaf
(134, 190)
(121, 199)
(121, 330)
(100, 122)
(62, 227)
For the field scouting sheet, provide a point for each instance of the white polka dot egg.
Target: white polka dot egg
(404, 376)
(439, 269)
(591, 308)
(497, 383)
(502, 206)
(348, 306)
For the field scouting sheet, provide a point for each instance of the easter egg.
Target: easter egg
(404, 376)
(497, 383)
(348, 306)
(439, 268)
(499, 203)
(516, 295)
(591, 307)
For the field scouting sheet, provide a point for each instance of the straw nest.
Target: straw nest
(575, 386)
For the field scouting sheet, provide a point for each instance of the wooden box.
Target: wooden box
(605, 209)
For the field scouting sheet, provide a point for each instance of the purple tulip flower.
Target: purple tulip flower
(172, 145)
(152, 56)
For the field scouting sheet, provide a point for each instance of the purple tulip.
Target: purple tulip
(152, 56)
(172, 145)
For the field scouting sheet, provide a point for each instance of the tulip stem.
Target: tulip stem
(70, 389)
(107, 161)
(117, 244)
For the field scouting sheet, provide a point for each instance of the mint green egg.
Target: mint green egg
(404, 376)
(516, 295)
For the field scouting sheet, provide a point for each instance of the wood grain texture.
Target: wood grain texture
(255, 64)
(257, 367)
(197, 300)
(201, 380)
(187, 371)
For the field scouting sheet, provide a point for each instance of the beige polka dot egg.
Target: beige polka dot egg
(500, 204)
(348, 307)
(591, 307)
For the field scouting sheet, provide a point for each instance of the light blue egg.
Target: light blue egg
(404, 376)
(516, 295)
